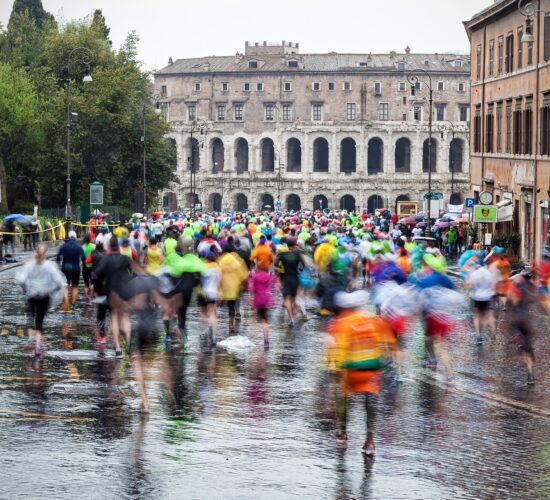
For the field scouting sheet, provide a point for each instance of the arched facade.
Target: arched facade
(268, 155)
(401, 197)
(456, 155)
(216, 202)
(456, 199)
(375, 156)
(347, 202)
(320, 155)
(267, 203)
(320, 202)
(241, 203)
(348, 155)
(218, 155)
(426, 153)
(169, 201)
(293, 155)
(374, 203)
(293, 202)
(241, 155)
(194, 155)
(403, 155)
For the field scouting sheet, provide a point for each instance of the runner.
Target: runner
(71, 256)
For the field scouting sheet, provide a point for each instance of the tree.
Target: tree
(100, 24)
(33, 8)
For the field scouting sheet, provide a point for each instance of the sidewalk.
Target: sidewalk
(22, 256)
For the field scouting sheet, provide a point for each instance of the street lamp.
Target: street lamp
(452, 159)
(529, 10)
(415, 77)
(156, 98)
(200, 126)
(280, 167)
(83, 57)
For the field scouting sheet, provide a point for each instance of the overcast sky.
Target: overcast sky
(186, 28)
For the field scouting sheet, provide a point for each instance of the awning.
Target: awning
(505, 211)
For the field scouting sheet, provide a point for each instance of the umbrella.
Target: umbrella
(422, 224)
(442, 224)
(137, 215)
(14, 217)
(407, 220)
(96, 212)
(105, 214)
(455, 223)
(463, 220)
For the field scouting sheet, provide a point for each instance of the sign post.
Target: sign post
(96, 193)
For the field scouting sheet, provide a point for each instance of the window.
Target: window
(292, 64)
(238, 111)
(259, 87)
(440, 86)
(440, 112)
(287, 112)
(346, 86)
(509, 60)
(197, 87)
(402, 86)
(458, 63)
(404, 100)
(489, 129)
(463, 111)
(221, 111)
(529, 54)
(499, 127)
(287, 86)
(417, 113)
(317, 112)
(528, 126)
(225, 86)
(383, 111)
(191, 112)
(401, 67)
(500, 49)
(253, 64)
(377, 89)
(404, 117)
(163, 91)
(478, 62)
(462, 87)
(351, 111)
(491, 57)
(316, 86)
(517, 122)
(520, 48)
(363, 64)
(477, 130)
(246, 87)
(331, 85)
(545, 126)
(509, 126)
(546, 38)
(269, 111)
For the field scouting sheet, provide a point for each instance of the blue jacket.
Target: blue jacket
(71, 255)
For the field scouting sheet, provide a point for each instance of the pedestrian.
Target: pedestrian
(210, 290)
(262, 285)
(483, 282)
(153, 257)
(88, 247)
(71, 257)
(234, 275)
(93, 260)
(41, 281)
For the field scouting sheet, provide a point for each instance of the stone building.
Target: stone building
(510, 139)
(314, 130)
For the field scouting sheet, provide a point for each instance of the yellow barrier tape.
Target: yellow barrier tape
(95, 225)
(21, 233)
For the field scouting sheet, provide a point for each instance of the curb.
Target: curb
(8, 267)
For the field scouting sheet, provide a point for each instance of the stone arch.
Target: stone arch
(347, 202)
(320, 202)
(374, 203)
(426, 153)
(375, 156)
(267, 151)
(320, 155)
(194, 157)
(348, 155)
(403, 155)
(455, 199)
(293, 155)
(218, 155)
(241, 155)
(189, 199)
(215, 202)
(169, 201)
(456, 154)
(267, 202)
(293, 202)
(401, 197)
(241, 202)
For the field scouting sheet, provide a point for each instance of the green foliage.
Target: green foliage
(42, 66)
(510, 241)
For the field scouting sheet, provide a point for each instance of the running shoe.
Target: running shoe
(479, 340)
(168, 338)
(38, 351)
(291, 323)
(530, 378)
(368, 450)
(118, 354)
(100, 339)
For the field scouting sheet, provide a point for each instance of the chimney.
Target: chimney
(407, 50)
(170, 61)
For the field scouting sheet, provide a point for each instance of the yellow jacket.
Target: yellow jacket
(234, 274)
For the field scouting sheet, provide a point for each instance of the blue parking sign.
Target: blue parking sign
(470, 202)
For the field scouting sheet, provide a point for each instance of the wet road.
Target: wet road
(255, 424)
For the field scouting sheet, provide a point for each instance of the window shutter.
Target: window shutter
(546, 38)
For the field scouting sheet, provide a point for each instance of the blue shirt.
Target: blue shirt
(435, 279)
(71, 254)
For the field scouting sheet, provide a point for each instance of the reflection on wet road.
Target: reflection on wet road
(259, 424)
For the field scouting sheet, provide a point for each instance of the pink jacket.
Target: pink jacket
(262, 287)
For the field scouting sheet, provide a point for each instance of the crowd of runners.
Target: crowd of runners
(372, 281)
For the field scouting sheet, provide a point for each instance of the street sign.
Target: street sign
(96, 193)
(485, 214)
(470, 202)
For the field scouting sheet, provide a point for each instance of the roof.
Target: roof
(497, 9)
(317, 63)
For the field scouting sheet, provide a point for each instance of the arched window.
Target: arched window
(348, 155)
(216, 202)
(347, 202)
(455, 199)
(241, 203)
(320, 155)
(426, 152)
(241, 155)
(293, 202)
(401, 197)
(403, 155)
(169, 202)
(267, 202)
(194, 157)
(192, 200)
(320, 202)
(293, 155)
(268, 155)
(217, 155)
(375, 162)
(374, 203)
(455, 155)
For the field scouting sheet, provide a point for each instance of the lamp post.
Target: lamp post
(452, 160)
(200, 126)
(83, 57)
(415, 77)
(156, 98)
(280, 166)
